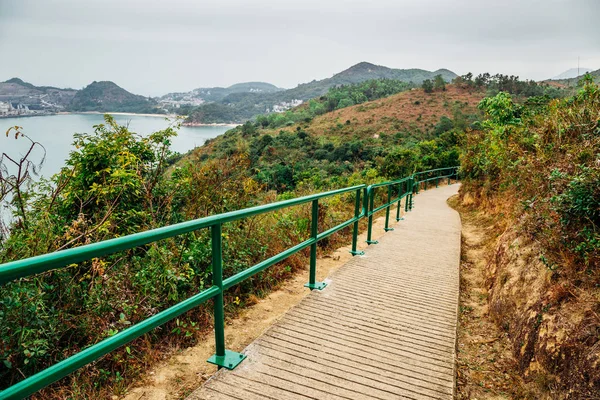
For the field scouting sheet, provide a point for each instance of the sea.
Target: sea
(55, 134)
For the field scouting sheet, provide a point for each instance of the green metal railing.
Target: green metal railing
(433, 175)
(396, 191)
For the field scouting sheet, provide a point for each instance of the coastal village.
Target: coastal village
(19, 110)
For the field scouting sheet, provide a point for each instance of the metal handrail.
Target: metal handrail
(222, 357)
(434, 174)
(401, 188)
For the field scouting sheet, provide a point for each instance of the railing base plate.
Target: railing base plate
(372, 241)
(230, 360)
(357, 253)
(316, 285)
(388, 229)
(400, 219)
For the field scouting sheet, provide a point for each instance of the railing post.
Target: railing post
(412, 192)
(400, 193)
(222, 357)
(387, 210)
(437, 179)
(314, 231)
(357, 207)
(370, 195)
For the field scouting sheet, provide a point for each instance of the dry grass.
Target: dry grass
(412, 111)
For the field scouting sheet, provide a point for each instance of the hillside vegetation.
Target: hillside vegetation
(242, 107)
(107, 96)
(218, 93)
(116, 182)
(369, 139)
(536, 167)
(36, 97)
(104, 96)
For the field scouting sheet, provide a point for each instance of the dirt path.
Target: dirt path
(186, 369)
(485, 366)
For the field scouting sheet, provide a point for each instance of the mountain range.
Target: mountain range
(573, 78)
(97, 96)
(239, 107)
(236, 103)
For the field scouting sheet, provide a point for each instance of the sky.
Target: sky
(152, 47)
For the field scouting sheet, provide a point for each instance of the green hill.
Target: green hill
(17, 91)
(106, 96)
(213, 94)
(242, 107)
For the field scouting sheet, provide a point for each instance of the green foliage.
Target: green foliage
(117, 182)
(427, 86)
(244, 106)
(545, 154)
(510, 84)
(106, 96)
(439, 83)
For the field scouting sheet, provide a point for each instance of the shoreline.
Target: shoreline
(192, 124)
(117, 113)
(169, 116)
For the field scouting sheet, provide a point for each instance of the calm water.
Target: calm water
(55, 133)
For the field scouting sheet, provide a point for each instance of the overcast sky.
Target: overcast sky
(152, 47)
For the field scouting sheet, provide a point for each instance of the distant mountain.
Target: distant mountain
(98, 96)
(212, 94)
(572, 73)
(107, 96)
(574, 80)
(365, 71)
(17, 92)
(239, 107)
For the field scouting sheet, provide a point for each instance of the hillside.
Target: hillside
(242, 107)
(533, 170)
(390, 136)
(16, 91)
(414, 113)
(365, 71)
(212, 94)
(572, 73)
(107, 96)
(97, 96)
(572, 82)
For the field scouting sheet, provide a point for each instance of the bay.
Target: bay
(55, 133)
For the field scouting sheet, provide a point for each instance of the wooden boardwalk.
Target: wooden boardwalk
(384, 327)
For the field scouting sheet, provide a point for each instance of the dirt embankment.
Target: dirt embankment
(486, 368)
(524, 331)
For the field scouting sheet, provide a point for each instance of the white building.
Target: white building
(5, 108)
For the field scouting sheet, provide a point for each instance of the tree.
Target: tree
(427, 86)
(439, 83)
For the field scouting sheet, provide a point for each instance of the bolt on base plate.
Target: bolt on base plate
(230, 360)
(316, 285)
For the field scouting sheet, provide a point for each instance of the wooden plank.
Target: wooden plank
(384, 328)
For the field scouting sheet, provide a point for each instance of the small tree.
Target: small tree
(15, 175)
(427, 86)
(439, 83)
